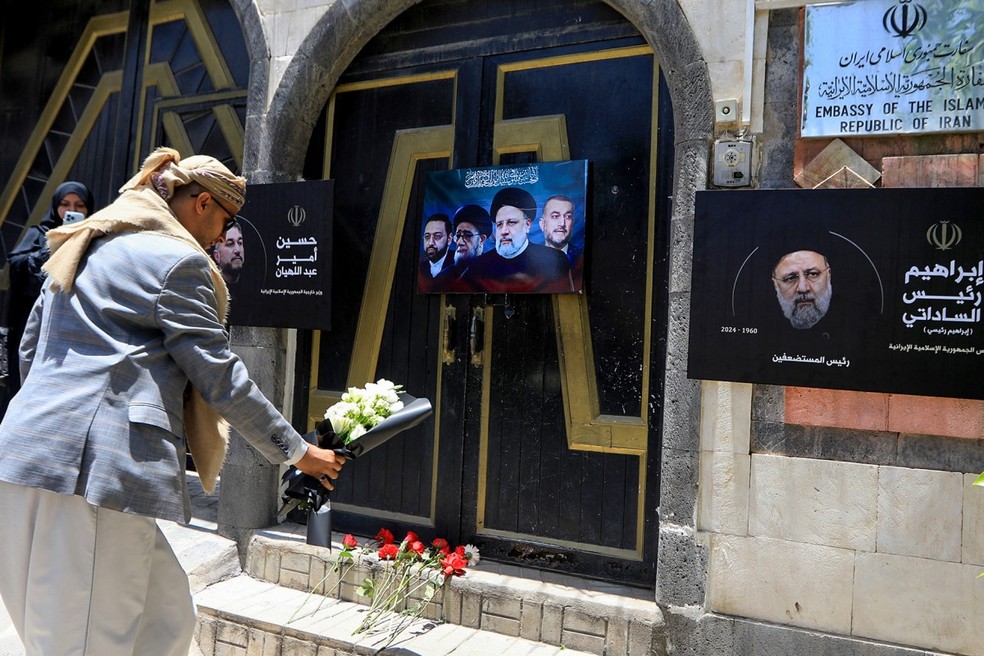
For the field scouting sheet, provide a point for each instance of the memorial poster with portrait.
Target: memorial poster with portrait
(277, 261)
(860, 289)
(504, 229)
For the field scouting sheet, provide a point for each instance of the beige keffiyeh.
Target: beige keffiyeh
(142, 206)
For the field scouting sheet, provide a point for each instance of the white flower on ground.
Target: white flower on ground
(471, 553)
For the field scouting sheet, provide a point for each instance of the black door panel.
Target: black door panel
(541, 448)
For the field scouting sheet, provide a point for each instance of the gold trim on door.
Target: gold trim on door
(159, 74)
(587, 428)
(409, 147)
(96, 28)
(191, 13)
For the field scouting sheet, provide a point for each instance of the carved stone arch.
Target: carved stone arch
(260, 57)
(329, 48)
(346, 27)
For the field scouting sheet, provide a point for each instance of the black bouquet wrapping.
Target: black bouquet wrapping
(308, 492)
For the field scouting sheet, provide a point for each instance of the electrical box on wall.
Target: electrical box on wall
(726, 111)
(732, 163)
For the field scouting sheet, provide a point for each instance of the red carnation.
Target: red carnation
(350, 541)
(442, 545)
(388, 551)
(385, 536)
(453, 565)
(411, 537)
(417, 547)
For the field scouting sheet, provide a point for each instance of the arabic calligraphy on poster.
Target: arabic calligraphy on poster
(945, 308)
(284, 253)
(302, 261)
(893, 66)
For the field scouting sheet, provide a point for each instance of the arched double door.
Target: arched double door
(543, 448)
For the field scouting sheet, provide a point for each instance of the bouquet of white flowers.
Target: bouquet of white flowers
(361, 410)
(363, 419)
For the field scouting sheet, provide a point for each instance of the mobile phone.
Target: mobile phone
(72, 217)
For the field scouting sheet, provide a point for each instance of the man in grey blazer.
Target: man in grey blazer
(124, 361)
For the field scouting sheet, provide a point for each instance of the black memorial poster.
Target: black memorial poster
(277, 261)
(860, 289)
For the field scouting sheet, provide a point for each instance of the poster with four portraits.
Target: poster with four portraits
(859, 289)
(504, 229)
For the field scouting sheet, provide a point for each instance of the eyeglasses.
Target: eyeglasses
(811, 275)
(231, 222)
(464, 234)
(233, 219)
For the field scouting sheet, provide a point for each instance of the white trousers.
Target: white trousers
(78, 580)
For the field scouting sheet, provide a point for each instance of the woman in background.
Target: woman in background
(26, 260)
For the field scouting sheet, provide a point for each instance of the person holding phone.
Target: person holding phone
(70, 199)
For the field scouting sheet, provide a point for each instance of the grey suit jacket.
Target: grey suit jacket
(104, 370)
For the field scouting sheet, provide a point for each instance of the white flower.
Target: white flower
(362, 409)
(472, 555)
(341, 424)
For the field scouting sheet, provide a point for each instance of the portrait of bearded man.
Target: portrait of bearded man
(803, 287)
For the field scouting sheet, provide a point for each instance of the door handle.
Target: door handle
(476, 336)
(448, 337)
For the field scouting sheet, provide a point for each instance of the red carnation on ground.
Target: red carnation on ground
(453, 565)
(388, 551)
(408, 582)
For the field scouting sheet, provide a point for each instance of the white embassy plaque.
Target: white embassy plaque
(883, 67)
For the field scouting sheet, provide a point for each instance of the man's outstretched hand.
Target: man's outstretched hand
(323, 464)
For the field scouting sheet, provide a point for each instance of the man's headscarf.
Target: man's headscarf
(142, 205)
(164, 170)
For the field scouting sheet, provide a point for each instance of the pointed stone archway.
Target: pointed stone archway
(281, 132)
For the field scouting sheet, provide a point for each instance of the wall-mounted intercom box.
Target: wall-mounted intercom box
(732, 163)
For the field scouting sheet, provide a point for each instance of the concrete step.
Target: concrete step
(500, 602)
(243, 615)
(206, 556)
(494, 609)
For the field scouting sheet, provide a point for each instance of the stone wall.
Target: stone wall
(874, 551)
(761, 550)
